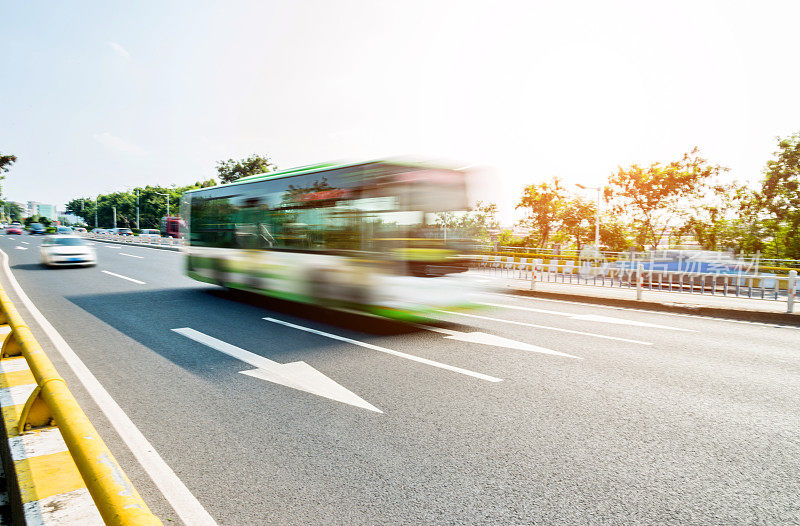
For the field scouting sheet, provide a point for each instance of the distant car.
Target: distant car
(14, 229)
(150, 233)
(122, 231)
(36, 228)
(67, 250)
(79, 230)
(100, 231)
(63, 230)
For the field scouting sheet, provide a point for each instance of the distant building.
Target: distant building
(35, 208)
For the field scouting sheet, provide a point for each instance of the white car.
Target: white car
(67, 250)
(150, 233)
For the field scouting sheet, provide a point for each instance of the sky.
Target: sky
(104, 96)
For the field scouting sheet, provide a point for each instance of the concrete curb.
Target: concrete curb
(146, 245)
(696, 310)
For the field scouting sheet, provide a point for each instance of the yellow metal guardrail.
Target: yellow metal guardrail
(51, 402)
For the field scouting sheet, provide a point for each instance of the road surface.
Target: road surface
(526, 411)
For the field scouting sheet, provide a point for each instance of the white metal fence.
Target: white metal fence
(148, 240)
(736, 285)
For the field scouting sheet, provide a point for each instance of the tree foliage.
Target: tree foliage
(780, 195)
(475, 225)
(6, 160)
(556, 215)
(11, 210)
(544, 203)
(152, 205)
(654, 196)
(231, 170)
(730, 218)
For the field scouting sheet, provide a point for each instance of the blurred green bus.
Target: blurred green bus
(356, 236)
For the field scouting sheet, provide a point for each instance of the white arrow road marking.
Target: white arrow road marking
(130, 255)
(491, 339)
(390, 351)
(120, 276)
(557, 329)
(21, 248)
(589, 317)
(297, 375)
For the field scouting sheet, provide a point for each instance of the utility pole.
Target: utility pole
(95, 211)
(114, 208)
(161, 193)
(137, 209)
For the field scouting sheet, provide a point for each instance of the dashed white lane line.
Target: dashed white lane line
(21, 248)
(25, 243)
(389, 351)
(546, 327)
(130, 255)
(588, 317)
(120, 276)
(186, 505)
(650, 311)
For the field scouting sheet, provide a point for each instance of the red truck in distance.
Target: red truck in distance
(171, 226)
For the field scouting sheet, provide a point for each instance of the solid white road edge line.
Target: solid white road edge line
(558, 329)
(187, 507)
(123, 277)
(389, 351)
(131, 255)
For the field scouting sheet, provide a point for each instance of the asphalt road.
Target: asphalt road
(643, 417)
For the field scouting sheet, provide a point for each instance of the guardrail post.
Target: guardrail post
(639, 279)
(790, 291)
(534, 267)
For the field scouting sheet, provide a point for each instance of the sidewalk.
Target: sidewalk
(741, 308)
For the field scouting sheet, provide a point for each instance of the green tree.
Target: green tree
(545, 203)
(615, 234)
(780, 194)
(6, 160)
(11, 210)
(152, 205)
(653, 197)
(231, 170)
(475, 225)
(576, 219)
(732, 217)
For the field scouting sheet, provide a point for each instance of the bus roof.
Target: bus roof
(321, 167)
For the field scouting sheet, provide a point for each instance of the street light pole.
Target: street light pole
(95, 210)
(597, 214)
(137, 209)
(160, 193)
